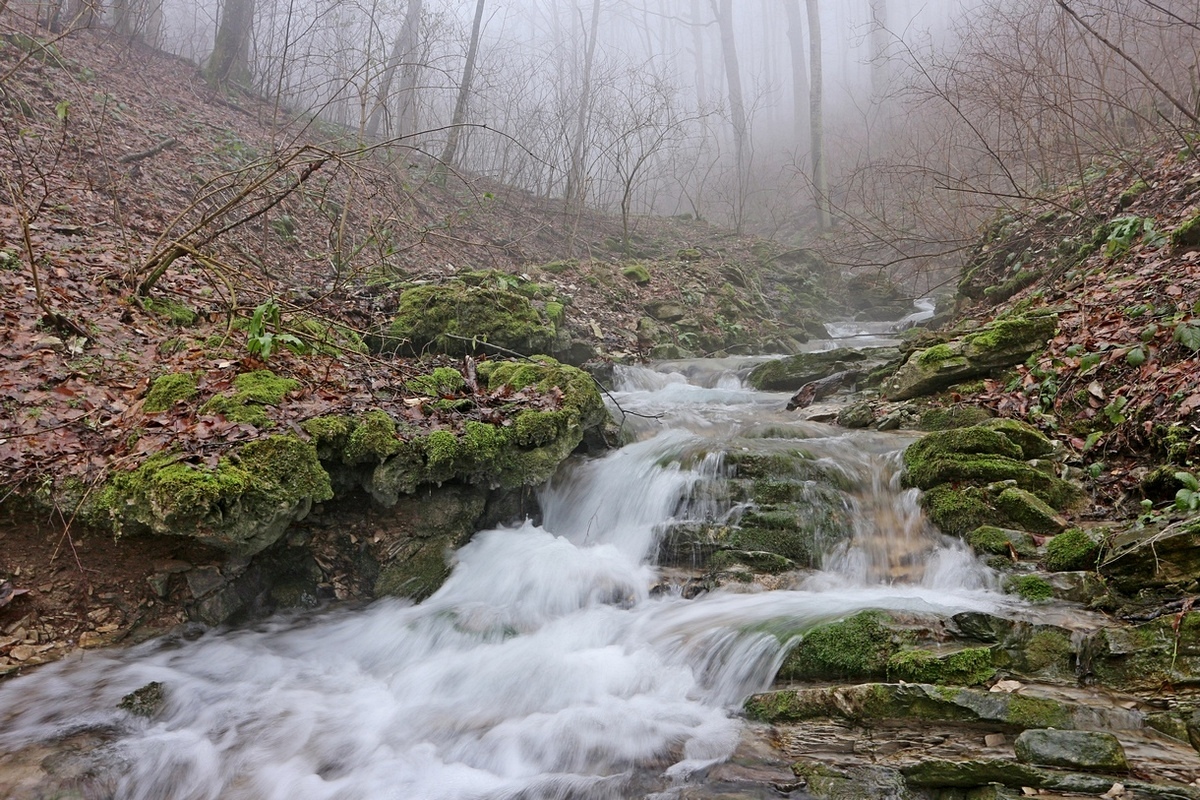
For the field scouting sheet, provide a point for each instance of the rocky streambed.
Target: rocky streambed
(742, 601)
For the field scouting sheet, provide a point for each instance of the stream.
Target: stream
(557, 661)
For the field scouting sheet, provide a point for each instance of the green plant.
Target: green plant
(264, 336)
(1188, 497)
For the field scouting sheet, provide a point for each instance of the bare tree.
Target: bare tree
(229, 62)
(737, 105)
(575, 175)
(879, 46)
(450, 152)
(402, 57)
(800, 96)
(817, 117)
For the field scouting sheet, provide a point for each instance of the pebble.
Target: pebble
(994, 740)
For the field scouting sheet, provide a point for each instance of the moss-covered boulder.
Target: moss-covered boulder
(1072, 550)
(856, 648)
(791, 373)
(989, 474)
(455, 318)
(998, 345)
(242, 505)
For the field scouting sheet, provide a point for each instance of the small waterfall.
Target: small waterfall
(543, 668)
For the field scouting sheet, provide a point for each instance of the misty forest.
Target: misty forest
(599, 399)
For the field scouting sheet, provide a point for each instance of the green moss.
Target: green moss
(177, 313)
(968, 667)
(976, 440)
(330, 433)
(252, 393)
(1071, 550)
(997, 541)
(856, 648)
(956, 511)
(581, 398)
(372, 439)
(418, 576)
(690, 254)
(559, 267)
(777, 707)
(914, 666)
(1012, 333)
(1136, 190)
(960, 416)
(169, 390)
(636, 273)
(1027, 511)
(536, 428)
(1029, 587)
(263, 386)
(936, 355)
(442, 382)
(451, 318)
(1037, 712)
(1047, 649)
(1032, 442)
(1187, 234)
(241, 505)
(556, 312)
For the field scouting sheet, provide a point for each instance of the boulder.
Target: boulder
(456, 318)
(791, 373)
(998, 345)
(1093, 751)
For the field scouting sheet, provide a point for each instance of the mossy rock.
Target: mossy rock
(957, 511)
(1032, 442)
(1033, 588)
(457, 319)
(1027, 511)
(252, 394)
(855, 648)
(636, 273)
(791, 373)
(242, 505)
(996, 541)
(957, 416)
(1094, 751)
(968, 667)
(1071, 550)
(1187, 234)
(177, 313)
(1000, 344)
(1154, 557)
(168, 390)
(1163, 652)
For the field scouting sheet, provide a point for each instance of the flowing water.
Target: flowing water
(553, 663)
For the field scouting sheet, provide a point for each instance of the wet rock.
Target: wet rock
(997, 345)
(146, 701)
(1093, 751)
(1146, 657)
(792, 373)
(858, 415)
(1154, 556)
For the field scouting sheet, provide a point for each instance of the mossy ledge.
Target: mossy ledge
(246, 500)
(242, 505)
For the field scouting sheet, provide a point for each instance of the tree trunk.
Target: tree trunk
(403, 57)
(737, 105)
(698, 55)
(464, 91)
(817, 118)
(800, 97)
(230, 58)
(879, 44)
(575, 191)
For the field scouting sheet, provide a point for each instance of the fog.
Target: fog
(930, 115)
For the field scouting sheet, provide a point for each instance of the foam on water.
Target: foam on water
(543, 667)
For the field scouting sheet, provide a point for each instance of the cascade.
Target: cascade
(557, 661)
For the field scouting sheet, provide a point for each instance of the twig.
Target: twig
(144, 154)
